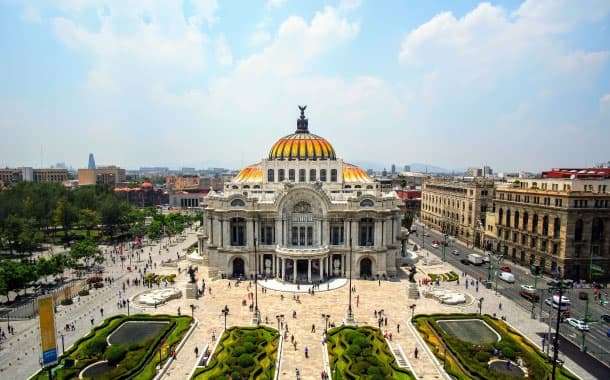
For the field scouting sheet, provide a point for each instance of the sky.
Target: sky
(204, 83)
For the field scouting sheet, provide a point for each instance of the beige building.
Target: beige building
(109, 175)
(8, 175)
(561, 224)
(457, 208)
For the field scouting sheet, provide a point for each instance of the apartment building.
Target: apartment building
(560, 222)
(457, 208)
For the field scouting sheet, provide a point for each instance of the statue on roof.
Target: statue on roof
(303, 108)
(302, 121)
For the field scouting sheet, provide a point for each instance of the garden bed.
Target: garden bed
(243, 353)
(362, 353)
(466, 360)
(134, 358)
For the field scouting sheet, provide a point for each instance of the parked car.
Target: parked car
(528, 288)
(579, 324)
(505, 269)
(465, 261)
(435, 243)
(507, 277)
(485, 258)
(605, 318)
(455, 252)
(583, 296)
(427, 234)
(529, 296)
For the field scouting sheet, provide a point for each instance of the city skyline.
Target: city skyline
(510, 84)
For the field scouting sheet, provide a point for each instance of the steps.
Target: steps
(413, 291)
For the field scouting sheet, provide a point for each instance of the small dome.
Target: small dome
(302, 145)
(249, 174)
(146, 184)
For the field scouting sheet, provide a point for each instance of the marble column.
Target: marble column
(281, 268)
(322, 268)
(309, 270)
(294, 270)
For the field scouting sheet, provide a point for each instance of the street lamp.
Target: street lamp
(128, 307)
(350, 314)
(192, 310)
(257, 318)
(481, 306)
(225, 311)
(556, 340)
(412, 307)
(444, 244)
(326, 317)
(280, 318)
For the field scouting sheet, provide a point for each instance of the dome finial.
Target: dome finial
(302, 121)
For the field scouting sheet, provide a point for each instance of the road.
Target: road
(596, 340)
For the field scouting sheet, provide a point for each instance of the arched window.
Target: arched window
(500, 216)
(578, 227)
(367, 203)
(516, 221)
(556, 228)
(367, 232)
(525, 220)
(535, 223)
(597, 230)
(323, 175)
(270, 175)
(237, 203)
(280, 175)
(291, 175)
(302, 175)
(508, 218)
(333, 175)
(545, 225)
(312, 175)
(238, 231)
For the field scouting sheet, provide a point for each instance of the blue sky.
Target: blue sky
(511, 84)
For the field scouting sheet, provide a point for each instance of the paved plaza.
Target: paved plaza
(20, 354)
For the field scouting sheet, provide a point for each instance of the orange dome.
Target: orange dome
(302, 145)
(252, 173)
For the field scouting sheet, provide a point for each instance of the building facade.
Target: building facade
(457, 208)
(302, 215)
(106, 175)
(30, 174)
(560, 222)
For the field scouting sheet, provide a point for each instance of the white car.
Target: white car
(528, 288)
(485, 259)
(435, 245)
(455, 252)
(579, 324)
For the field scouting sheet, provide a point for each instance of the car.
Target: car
(465, 261)
(528, 288)
(455, 252)
(505, 269)
(605, 318)
(435, 243)
(529, 296)
(427, 234)
(485, 259)
(579, 324)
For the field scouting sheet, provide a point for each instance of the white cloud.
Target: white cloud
(259, 38)
(223, 52)
(604, 104)
(275, 3)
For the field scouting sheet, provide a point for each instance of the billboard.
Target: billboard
(47, 331)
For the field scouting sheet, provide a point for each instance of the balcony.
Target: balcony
(302, 251)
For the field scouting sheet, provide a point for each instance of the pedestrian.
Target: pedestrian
(92, 320)
(386, 321)
(196, 351)
(313, 328)
(416, 352)
(398, 327)
(500, 306)
(306, 352)
(102, 311)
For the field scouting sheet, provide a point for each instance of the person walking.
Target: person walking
(306, 350)
(196, 351)
(313, 328)
(398, 327)
(416, 352)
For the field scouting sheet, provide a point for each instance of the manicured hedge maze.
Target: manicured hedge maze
(362, 353)
(466, 360)
(243, 353)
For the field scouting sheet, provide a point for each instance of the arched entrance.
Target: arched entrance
(238, 268)
(366, 268)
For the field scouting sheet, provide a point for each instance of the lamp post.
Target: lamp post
(256, 318)
(280, 318)
(350, 314)
(225, 311)
(192, 310)
(556, 340)
(481, 305)
(326, 317)
(128, 307)
(412, 307)
(444, 244)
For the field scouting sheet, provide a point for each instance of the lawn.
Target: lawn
(362, 353)
(133, 360)
(243, 353)
(465, 360)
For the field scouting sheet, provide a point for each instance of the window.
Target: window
(270, 175)
(312, 175)
(516, 220)
(508, 218)
(597, 230)
(535, 223)
(336, 233)
(556, 228)
(280, 175)
(545, 225)
(578, 227)
(543, 245)
(525, 220)
(367, 203)
(238, 231)
(500, 216)
(333, 175)
(291, 175)
(367, 232)
(267, 233)
(295, 236)
(323, 175)
(301, 175)
(237, 203)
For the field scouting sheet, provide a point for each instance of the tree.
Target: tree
(29, 237)
(64, 215)
(44, 267)
(85, 249)
(407, 220)
(89, 219)
(15, 276)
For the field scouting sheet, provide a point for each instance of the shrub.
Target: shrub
(115, 354)
(95, 346)
(83, 292)
(508, 352)
(239, 351)
(482, 356)
(67, 301)
(249, 347)
(235, 375)
(353, 350)
(245, 361)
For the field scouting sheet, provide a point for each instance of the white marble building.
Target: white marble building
(296, 212)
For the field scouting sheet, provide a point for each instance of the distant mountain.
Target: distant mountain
(415, 167)
(426, 168)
